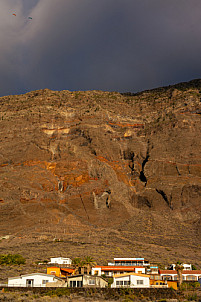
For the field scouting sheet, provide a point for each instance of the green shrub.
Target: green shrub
(10, 259)
(110, 281)
(192, 297)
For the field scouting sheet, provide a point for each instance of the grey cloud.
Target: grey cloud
(122, 45)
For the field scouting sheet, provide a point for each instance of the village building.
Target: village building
(187, 267)
(34, 280)
(110, 270)
(60, 261)
(153, 270)
(84, 280)
(129, 262)
(60, 272)
(187, 275)
(131, 280)
(158, 283)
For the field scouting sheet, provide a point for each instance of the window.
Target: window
(140, 282)
(126, 283)
(79, 283)
(75, 283)
(45, 281)
(167, 277)
(29, 282)
(122, 283)
(91, 282)
(72, 283)
(119, 283)
(53, 273)
(191, 278)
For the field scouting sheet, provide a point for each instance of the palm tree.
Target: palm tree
(78, 264)
(179, 268)
(89, 262)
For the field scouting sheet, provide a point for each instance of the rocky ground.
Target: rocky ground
(102, 174)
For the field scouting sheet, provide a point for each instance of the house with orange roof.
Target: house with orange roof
(110, 270)
(60, 272)
(131, 280)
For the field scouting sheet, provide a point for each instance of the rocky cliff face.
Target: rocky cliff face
(81, 161)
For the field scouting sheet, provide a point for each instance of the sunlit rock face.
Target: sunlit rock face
(101, 160)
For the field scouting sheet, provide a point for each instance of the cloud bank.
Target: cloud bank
(115, 45)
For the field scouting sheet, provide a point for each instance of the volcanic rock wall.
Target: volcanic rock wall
(100, 158)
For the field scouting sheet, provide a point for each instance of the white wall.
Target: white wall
(38, 280)
(61, 260)
(94, 270)
(140, 270)
(134, 281)
(186, 266)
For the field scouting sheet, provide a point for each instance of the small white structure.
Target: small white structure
(131, 280)
(187, 267)
(32, 280)
(152, 270)
(60, 261)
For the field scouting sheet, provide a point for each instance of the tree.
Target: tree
(78, 264)
(179, 268)
(89, 262)
(82, 265)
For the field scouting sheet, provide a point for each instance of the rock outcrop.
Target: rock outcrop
(102, 160)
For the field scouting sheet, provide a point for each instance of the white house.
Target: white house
(187, 267)
(33, 280)
(187, 275)
(131, 280)
(130, 262)
(60, 261)
(110, 270)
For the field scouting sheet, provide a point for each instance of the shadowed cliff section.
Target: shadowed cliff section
(91, 161)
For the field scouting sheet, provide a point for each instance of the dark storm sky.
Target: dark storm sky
(114, 45)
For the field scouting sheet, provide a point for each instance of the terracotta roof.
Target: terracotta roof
(184, 272)
(68, 270)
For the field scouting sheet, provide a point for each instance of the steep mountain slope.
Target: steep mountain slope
(81, 163)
